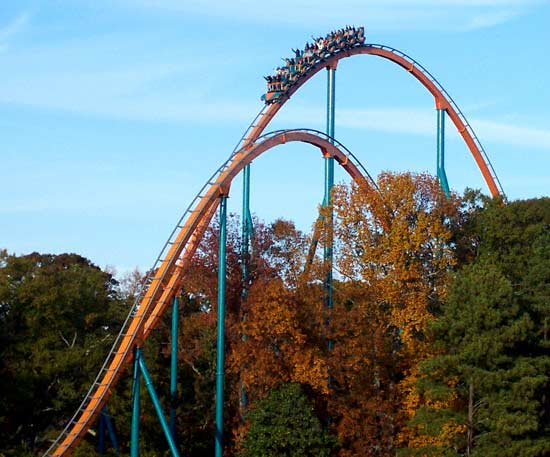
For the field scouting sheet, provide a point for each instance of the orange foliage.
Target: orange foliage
(392, 254)
(397, 244)
(276, 347)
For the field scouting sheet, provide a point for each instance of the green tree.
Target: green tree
(284, 424)
(58, 315)
(492, 373)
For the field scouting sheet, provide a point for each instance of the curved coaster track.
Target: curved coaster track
(165, 278)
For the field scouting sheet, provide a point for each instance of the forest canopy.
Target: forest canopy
(439, 334)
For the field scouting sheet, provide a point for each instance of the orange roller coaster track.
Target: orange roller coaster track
(443, 101)
(164, 279)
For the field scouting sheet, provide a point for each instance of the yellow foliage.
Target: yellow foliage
(397, 243)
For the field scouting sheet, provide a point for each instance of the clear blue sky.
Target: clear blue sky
(114, 113)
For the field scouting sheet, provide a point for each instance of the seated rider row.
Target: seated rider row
(321, 47)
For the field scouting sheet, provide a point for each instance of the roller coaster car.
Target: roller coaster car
(356, 40)
(271, 97)
(333, 46)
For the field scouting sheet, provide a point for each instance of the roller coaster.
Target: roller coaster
(164, 280)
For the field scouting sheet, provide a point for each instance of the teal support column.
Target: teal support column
(174, 367)
(329, 184)
(441, 175)
(110, 430)
(221, 321)
(101, 433)
(134, 437)
(105, 424)
(158, 408)
(247, 229)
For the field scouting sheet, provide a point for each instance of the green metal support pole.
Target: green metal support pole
(329, 184)
(246, 236)
(441, 175)
(174, 367)
(134, 438)
(106, 425)
(221, 321)
(246, 229)
(111, 430)
(158, 408)
(101, 433)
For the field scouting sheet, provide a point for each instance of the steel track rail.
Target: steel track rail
(165, 276)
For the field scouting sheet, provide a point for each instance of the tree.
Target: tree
(395, 249)
(284, 424)
(269, 338)
(58, 316)
(492, 365)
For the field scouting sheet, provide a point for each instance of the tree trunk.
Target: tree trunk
(470, 436)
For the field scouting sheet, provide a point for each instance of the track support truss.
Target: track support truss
(140, 369)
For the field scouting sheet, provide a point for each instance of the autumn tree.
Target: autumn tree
(259, 329)
(394, 251)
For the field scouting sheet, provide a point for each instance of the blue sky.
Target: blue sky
(114, 113)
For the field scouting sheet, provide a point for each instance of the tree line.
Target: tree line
(439, 334)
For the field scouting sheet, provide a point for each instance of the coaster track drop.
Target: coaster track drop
(164, 279)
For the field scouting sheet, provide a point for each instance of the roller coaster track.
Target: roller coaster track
(164, 279)
(442, 100)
